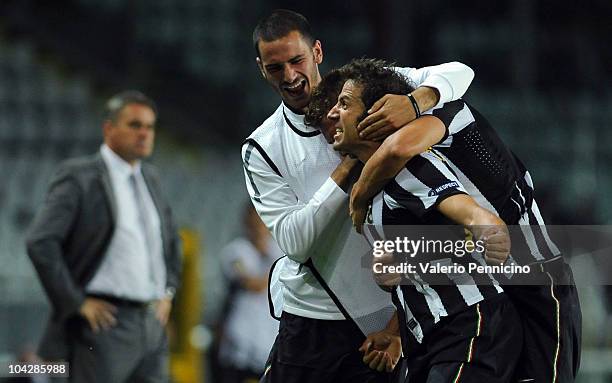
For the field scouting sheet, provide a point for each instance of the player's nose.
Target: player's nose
(333, 113)
(289, 74)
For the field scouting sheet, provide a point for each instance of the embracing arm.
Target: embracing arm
(485, 225)
(413, 139)
(462, 209)
(451, 80)
(295, 225)
(436, 85)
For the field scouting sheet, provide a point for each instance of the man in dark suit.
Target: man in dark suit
(106, 250)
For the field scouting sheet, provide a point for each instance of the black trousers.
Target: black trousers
(552, 322)
(135, 350)
(318, 351)
(480, 344)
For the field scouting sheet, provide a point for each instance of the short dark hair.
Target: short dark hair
(119, 101)
(376, 77)
(279, 24)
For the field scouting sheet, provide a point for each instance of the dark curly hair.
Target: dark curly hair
(324, 97)
(377, 78)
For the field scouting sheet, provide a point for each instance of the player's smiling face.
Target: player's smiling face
(290, 65)
(346, 114)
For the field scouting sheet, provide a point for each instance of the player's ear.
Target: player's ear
(317, 51)
(107, 127)
(260, 66)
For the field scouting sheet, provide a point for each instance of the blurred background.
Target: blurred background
(543, 76)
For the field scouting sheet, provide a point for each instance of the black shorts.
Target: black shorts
(479, 344)
(552, 324)
(318, 351)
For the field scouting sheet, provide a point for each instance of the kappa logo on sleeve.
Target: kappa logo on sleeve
(440, 189)
(412, 324)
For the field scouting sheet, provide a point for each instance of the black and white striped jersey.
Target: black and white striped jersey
(410, 200)
(494, 177)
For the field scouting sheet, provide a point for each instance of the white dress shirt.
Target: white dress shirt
(287, 171)
(132, 268)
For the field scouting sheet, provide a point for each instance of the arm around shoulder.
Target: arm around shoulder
(451, 80)
(294, 224)
(435, 86)
(397, 149)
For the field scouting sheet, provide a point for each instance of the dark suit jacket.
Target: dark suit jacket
(70, 234)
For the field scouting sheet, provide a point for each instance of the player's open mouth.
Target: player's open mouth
(295, 89)
(338, 134)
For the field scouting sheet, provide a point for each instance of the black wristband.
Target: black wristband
(417, 111)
